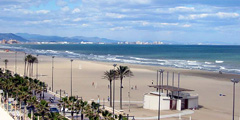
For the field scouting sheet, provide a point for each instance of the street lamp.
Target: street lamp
(114, 65)
(52, 71)
(71, 75)
(60, 91)
(234, 82)
(15, 62)
(37, 68)
(25, 64)
(159, 98)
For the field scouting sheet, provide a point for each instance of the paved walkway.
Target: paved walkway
(185, 112)
(4, 115)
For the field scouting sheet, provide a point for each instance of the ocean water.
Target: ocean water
(202, 57)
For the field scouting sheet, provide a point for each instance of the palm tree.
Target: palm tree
(30, 61)
(110, 75)
(83, 105)
(107, 115)
(63, 104)
(91, 111)
(42, 108)
(123, 71)
(6, 61)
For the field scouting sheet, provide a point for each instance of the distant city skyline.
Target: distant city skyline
(185, 21)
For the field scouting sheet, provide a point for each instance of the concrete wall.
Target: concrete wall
(179, 105)
(151, 102)
(193, 102)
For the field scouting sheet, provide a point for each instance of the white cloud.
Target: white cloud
(186, 25)
(61, 3)
(77, 19)
(227, 15)
(140, 1)
(76, 10)
(65, 9)
(42, 11)
(144, 23)
(182, 9)
(115, 15)
(198, 16)
(168, 24)
(117, 28)
(38, 22)
(85, 25)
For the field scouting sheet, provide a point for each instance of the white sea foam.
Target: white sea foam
(222, 68)
(219, 61)
(208, 63)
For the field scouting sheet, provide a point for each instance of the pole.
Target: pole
(233, 100)
(172, 83)
(160, 83)
(178, 83)
(71, 76)
(25, 64)
(157, 80)
(37, 68)
(60, 94)
(162, 79)
(52, 71)
(129, 94)
(114, 65)
(15, 62)
(167, 83)
(159, 105)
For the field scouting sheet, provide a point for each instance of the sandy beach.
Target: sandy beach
(207, 84)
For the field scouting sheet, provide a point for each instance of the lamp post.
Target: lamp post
(159, 98)
(15, 62)
(52, 71)
(234, 82)
(37, 68)
(114, 65)
(60, 91)
(129, 93)
(71, 76)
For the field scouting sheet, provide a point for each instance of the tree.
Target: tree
(110, 75)
(123, 71)
(30, 60)
(6, 61)
(107, 115)
(42, 108)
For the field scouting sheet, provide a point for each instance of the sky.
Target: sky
(184, 21)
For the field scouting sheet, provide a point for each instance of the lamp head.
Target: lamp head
(161, 70)
(235, 80)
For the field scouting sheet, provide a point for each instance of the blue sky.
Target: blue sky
(185, 21)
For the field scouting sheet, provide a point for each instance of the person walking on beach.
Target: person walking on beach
(92, 83)
(152, 82)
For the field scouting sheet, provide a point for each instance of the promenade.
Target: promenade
(4, 115)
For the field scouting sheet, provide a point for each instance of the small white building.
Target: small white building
(176, 99)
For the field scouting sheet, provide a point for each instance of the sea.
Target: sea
(202, 57)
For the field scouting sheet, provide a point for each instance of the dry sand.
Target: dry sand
(207, 84)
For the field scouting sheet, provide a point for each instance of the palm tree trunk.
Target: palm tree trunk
(121, 95)
(110, 93)
(32, 70)
(25, 68)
